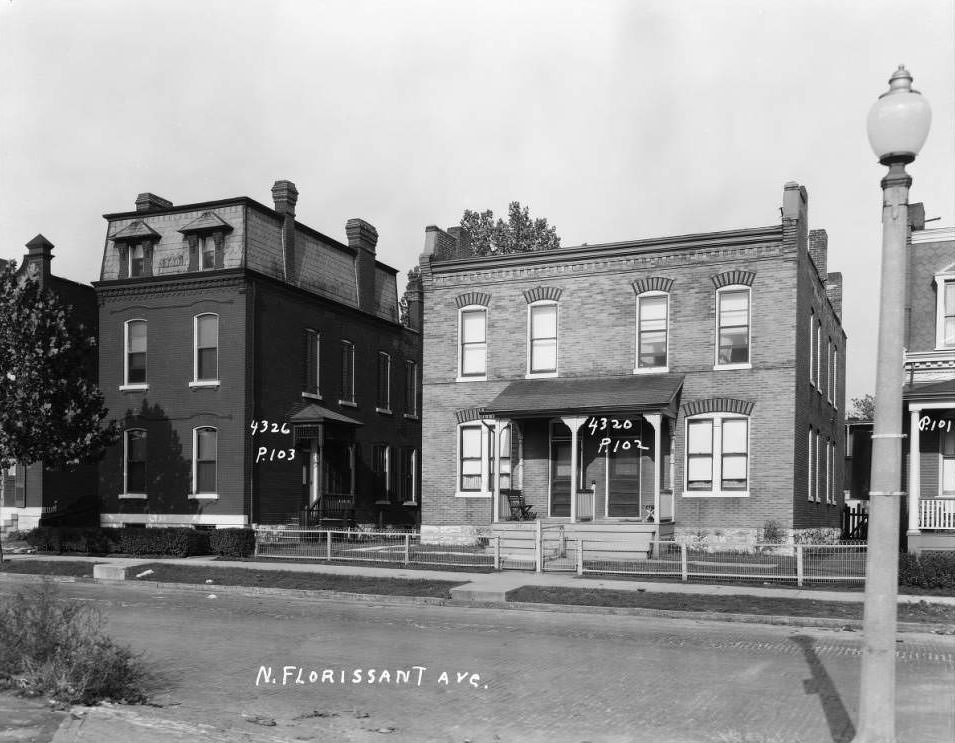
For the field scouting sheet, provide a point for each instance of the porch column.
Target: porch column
(656, 422)
(351, 467)
(915, 476)
(496, 485)
(315, 467)
(573, 422)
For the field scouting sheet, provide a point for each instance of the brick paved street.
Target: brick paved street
(543, 676)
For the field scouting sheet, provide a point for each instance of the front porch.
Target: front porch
(931, 466)
(589, 458)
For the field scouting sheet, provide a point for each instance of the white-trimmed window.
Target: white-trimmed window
(811, 469)
(134, 462)
(135, 371)
(947, 479)
(717, 455)
(313, 355)
(504, 457)
(205, 447)
(820, 383)
(820, 466)
(813, 369)
(945, 311)
(733, 326)
(473, 453)
(472, 342)
(542, 338)
(408, 485)
(652, 331)
(206, 349)
(348, 374)
(827, 485)
(830, 377)
(835, 376)
(383, 404)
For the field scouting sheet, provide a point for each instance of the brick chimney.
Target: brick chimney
(834, 292)
(439, 244)
(795, 216)
(917, 217)
(414, 297)
(363, 237)
(285, 196)
(818, 251)
(36, 262)
(149, 202)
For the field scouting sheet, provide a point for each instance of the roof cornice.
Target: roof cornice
(732, 238)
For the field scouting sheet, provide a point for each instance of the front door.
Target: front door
(623, 483)
(560, 478)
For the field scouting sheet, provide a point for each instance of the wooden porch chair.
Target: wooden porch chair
(520, 511)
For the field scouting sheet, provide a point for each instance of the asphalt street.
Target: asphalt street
(314, 670)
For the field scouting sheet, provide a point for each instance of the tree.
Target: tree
(863, 407)
(50, 411)
(519, 234)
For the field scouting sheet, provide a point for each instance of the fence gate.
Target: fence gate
(558, 552)
(855, 522)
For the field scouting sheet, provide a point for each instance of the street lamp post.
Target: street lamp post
(898, 125)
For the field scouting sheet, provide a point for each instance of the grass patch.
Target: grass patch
(172, 573)
(56, 647)
(732, 604)
(74, 568)
(439, 566)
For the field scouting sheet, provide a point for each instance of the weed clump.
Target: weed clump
(56, 647)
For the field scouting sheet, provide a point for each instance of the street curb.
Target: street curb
(368, 598)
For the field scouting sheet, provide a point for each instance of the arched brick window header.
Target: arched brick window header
(481, 298)
(729, 278)
(538, 293)
(652, 284)
(718, 405)
(468, 414)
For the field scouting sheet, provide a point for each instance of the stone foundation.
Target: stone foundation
(745, 539)
(458, 534)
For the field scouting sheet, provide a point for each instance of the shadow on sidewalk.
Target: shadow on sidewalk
(837, 717)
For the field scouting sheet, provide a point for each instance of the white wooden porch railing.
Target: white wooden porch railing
(937, 513)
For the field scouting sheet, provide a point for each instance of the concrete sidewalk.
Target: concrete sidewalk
(478, 587)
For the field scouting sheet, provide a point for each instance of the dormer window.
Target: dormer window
(205, 237)
(135, 244)
(945, 309)
(137, 253)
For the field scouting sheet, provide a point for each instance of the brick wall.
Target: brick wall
(926, 260)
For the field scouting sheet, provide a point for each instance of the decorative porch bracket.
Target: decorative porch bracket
(574, 422)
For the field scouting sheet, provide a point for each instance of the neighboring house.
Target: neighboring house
(685, 387)
(929, 395)
(857, 460)
(258, 368)
(28, 492)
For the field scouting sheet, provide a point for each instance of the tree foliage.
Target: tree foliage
(863, 407)
(49, 410)
(519, 234)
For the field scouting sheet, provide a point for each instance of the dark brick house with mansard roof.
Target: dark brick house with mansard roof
(258, 367)
(675, 387)
(29, 492)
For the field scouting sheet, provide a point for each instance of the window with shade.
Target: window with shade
(207, 253)
(136, 352)
(652, 321)
(542, 338)
(945, 334)
(733, 337)
(473, 342)
(470, 458)
(205, 461)
(206, 348)
(312, 357)
(348, 373)
(717, 455)
(137, 259)
(383, 404)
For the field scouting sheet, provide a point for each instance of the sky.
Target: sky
(614, 120)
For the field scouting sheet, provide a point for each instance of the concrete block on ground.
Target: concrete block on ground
(475, 592)
(105, 571)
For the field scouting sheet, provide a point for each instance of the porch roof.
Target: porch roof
(531, 398)
(930, 390)
(311, 413)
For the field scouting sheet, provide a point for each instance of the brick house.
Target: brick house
(258, 367)
(687, 387)
(28, 492)
(929, 394)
